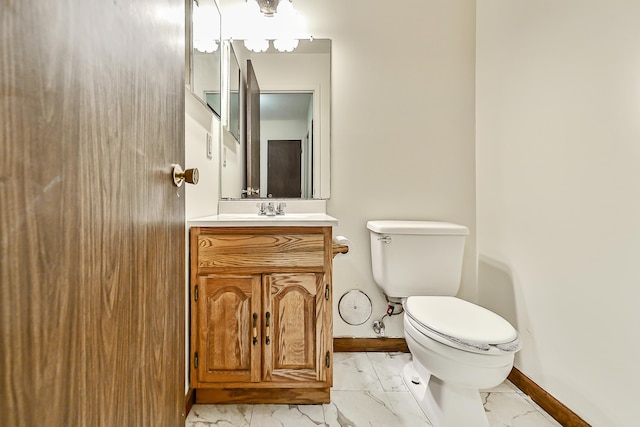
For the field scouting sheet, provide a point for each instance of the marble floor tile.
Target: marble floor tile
(506, 387)
(354, 371)
(288, 415)
(368, 391)
(513, 410)
(220, 416)
(388, 367)
(535, 405)
(407, 409)
(360, 409)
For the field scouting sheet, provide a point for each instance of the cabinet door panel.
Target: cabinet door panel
(297, 307)
(225, 329)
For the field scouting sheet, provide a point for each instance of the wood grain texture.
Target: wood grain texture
(225, 308)
(274, 250)
(296, 304)
(91, 230)
(339, 249)
(273, 386)
(346, 345)
(295, 322)
(550, 404)
(324, 334)
(257, 395)
(189, 400)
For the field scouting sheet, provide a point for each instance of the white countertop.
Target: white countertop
(255, 220)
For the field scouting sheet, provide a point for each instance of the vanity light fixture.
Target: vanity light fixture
(268, 7)
(275, 20)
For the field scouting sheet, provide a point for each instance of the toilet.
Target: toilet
(457, 347)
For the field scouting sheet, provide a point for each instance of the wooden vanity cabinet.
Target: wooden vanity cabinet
(261, 324)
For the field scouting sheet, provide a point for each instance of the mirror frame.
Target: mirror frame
(234, 103)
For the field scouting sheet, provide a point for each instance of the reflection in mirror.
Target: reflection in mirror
(206, 56)
(294, 124)
(286, 134)
(234, 95)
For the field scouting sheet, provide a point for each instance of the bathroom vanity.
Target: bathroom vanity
(261, 321)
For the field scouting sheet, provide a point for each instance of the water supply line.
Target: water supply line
(378, 325)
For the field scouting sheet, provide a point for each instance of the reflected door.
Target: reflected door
(253, 132)
(284, 170)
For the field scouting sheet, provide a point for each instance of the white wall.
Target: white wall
(558, 177)
(201, 199)
(402, 130)
(233, 169)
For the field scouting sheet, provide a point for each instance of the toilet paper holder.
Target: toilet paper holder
(340, 245)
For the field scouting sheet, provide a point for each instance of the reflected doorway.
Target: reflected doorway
(284, 171)
(286, 116)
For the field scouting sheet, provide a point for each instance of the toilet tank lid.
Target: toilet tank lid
(417, 227)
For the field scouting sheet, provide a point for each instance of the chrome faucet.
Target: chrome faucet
(269, 209)
(266, 209)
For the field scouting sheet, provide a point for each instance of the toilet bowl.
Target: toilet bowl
(466, 344)
(458, 347)
(448, 370)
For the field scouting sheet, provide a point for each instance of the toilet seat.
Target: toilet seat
(459, 323)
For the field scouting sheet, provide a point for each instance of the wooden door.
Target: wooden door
(253, 131)
(296, 305)
(284, 170)
(92, 238)
(229, 336)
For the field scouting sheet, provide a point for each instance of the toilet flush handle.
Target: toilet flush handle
(385, 239)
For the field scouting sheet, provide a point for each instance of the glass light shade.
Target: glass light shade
(285, 45)
(290, 27)
(285, 7)
(256, 45)
(285, 27)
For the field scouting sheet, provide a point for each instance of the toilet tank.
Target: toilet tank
(417, 257)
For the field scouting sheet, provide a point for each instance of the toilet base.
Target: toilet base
(445, 405)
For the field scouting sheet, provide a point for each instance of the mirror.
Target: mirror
(206, 53)
(294, 123)
(234, 95)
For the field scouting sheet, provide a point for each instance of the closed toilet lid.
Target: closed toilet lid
(460, 319)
